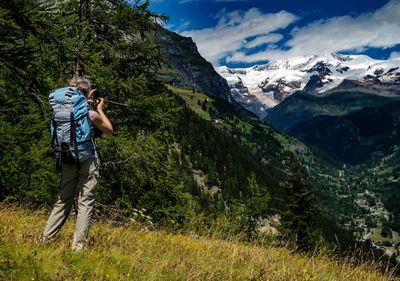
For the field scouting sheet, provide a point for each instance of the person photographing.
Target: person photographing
(99, 119)
(72, 130)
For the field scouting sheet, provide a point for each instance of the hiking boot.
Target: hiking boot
(43, 240)
(78, 247)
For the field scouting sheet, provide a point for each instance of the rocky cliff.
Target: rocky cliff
(187, 68)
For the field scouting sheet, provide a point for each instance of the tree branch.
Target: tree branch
(19, 78)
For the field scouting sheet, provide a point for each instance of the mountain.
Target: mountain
(210, 166)
(261, 87)
(186, 68)
(301, 107)
(269, 146)
(372, 132)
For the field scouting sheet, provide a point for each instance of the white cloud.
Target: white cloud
(182, 26)
(269, 38)
(394, 55)
(229, 39)
(168, 26)
(379, 29)
(232, 30)
(249, 58)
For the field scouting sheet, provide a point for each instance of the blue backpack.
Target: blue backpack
(71, 130)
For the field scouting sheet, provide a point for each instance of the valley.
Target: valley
(338, 114)
(372, 223)
(351, 194)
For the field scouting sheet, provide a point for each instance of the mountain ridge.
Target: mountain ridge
(262, 87)
(186, 68)
(371, 132)
(300, 106)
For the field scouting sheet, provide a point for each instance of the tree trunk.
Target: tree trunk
(84, 10)
(84, 15)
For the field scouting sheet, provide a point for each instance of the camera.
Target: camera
(96, 95)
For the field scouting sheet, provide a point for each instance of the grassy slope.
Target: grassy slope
(135, 253)
(192, 100)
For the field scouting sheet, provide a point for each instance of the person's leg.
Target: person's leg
(69, 182)
(88, 179)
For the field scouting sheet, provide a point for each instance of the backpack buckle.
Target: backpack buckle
(66, 154)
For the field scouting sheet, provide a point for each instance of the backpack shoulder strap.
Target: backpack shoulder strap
(54, 139)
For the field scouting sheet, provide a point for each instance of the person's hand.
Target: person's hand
(100, 103)
(90, 96)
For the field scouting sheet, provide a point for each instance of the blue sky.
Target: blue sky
(241, 33)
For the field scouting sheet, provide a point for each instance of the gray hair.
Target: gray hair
(81, 83)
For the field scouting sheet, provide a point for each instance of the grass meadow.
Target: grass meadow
(133, 252)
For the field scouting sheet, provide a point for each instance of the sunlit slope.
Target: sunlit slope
(132, 252)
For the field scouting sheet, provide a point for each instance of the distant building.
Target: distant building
(217, 121)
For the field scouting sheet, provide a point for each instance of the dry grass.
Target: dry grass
(135, 253)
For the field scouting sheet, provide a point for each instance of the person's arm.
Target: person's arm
(100, 120)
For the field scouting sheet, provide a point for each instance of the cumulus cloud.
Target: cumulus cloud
(234, 28)
(270, 38)
(394, 55)
(377, 29)
(182, 26)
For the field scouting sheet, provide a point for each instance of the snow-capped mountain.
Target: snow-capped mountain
(261, 87)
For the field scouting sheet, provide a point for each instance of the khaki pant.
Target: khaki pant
(83, 184)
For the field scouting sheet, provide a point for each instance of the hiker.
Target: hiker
(79, 176)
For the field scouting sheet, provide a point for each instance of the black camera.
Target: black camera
(96, 95)
(96, 132)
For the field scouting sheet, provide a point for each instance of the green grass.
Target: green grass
(376, 236)
(172, 77)
(132, 252)
(192, 100)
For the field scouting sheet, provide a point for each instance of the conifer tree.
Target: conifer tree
(43, 44)
(255, 206)
(299, 211)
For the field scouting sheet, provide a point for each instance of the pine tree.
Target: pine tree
(299, 211)
(255, 206)
(43, 44)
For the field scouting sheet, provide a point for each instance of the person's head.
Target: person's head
(82, 83)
